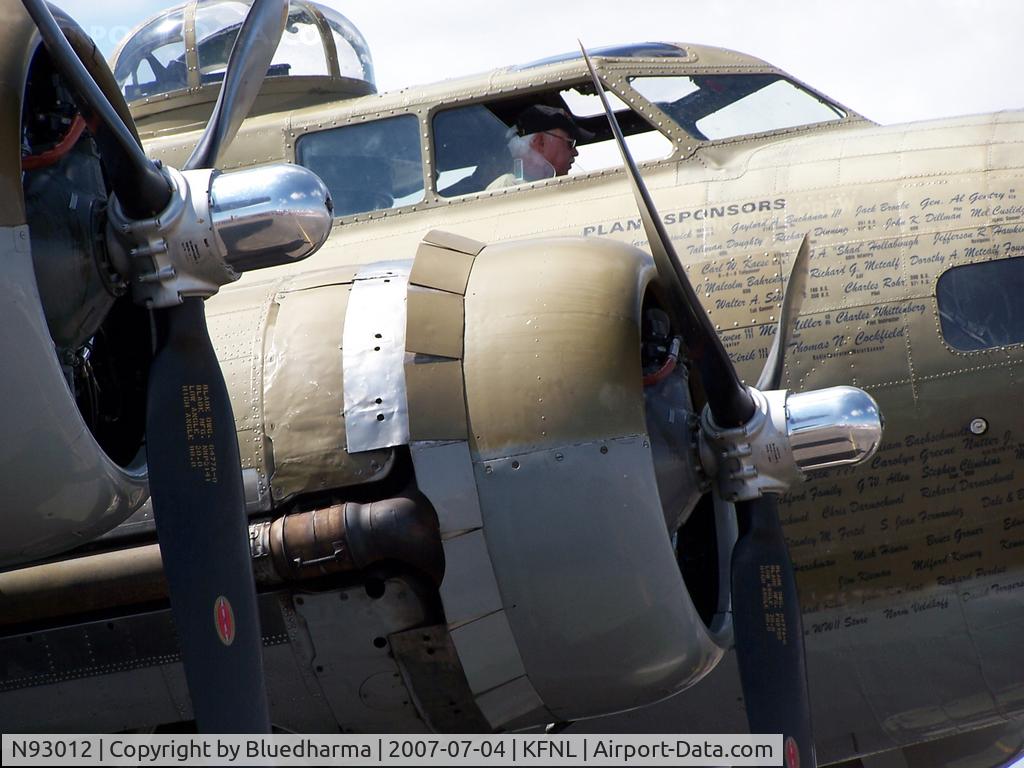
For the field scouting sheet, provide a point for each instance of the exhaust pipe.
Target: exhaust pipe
(349, 537)
(342, 538)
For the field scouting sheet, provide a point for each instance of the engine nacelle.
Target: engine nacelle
(60, 488)
(587, 611)
(521, 403)
(73, 461)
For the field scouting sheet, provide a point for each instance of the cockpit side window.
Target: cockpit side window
(715, 107)
(471, 143)
(980, 306)
(469, 149)
(371, 166)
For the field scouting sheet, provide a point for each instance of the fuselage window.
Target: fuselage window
(714, 107)
(980, 304)
(367, 167)
(475, 147)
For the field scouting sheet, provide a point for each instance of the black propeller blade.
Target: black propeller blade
(766, 609)
(768, 631)
(194, 469)
(199, 505)
(195, 475)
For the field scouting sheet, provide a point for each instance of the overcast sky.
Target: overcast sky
(891, 60)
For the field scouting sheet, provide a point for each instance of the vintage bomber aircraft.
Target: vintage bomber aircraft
(475, 475)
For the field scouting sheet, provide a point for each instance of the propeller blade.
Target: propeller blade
(771, 374)
(766, 609)
(141, 188)
(192, 451)
(199, 505)
(248, 63)
(195, 472)
(730, 403)
(768, 631)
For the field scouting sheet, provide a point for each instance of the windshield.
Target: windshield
(711, 107)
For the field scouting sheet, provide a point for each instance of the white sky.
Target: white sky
(891, 60)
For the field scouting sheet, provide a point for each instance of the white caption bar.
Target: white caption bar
(322, 749)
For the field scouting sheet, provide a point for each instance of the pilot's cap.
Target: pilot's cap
(541, 117)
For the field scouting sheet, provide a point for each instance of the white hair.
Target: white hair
(527, 162)
(519, 146)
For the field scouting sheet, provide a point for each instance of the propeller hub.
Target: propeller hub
(269, 215)
(753, 459)
(174, 254)
(216, 226)
(833, 427)
(788, 435)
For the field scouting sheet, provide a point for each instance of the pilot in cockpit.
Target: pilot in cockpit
(542, 143)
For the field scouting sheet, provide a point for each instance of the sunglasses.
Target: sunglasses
(567, 140)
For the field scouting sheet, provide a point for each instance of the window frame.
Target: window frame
(945, 321)
(620, 73)
(548, 86)
(614, 74)
(362, 120)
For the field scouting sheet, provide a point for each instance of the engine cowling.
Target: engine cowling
(61, 487)
(587, 612)
(511, 375)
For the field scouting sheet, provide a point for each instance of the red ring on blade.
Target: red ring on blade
(224, 620)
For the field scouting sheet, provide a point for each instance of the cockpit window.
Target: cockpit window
(367, 167)
(980, 305)
(713, 107)
(301, 49)
(472, 144)
(644, 142)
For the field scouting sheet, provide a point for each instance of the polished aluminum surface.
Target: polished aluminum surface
(269, 215)
(588, 577)
(832, 427)
(373, 358)
(173, 255)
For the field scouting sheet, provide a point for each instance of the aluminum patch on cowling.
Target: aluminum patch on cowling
(373, 358)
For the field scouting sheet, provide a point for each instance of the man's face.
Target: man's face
(556, 146)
